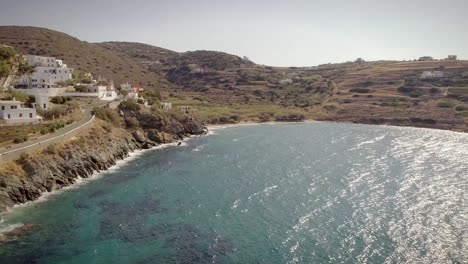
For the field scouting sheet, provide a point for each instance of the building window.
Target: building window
(3, 107)
(30, 115)
(8, 116)
(20, 115)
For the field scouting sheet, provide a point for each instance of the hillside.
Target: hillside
(79, 54)
(226, 88)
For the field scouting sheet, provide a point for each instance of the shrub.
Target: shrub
(107, 115)
(461, 108)
(51, 149)
(290, 117)
(405, 89)
(265, 117)
(132, 122)
(445, 105)
(359, 90)
(129, 105)
(20, 139)
(434, 90)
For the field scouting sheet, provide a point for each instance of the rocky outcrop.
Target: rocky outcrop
(99, 149)
(195, 128)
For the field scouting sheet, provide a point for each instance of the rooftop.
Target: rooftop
(9, 102)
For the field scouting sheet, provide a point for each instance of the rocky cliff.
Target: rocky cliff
(96, 149)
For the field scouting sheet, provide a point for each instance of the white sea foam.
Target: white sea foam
(266, 191)
(10, 227)
(235, 204)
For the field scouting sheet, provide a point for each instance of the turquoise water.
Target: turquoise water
(285, 193)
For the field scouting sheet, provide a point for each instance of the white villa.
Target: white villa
(14, 112)
(48, 72)
(42, 101)
(286, 81)
(101, 92)
(432, 74)
(126, 87)
(166, 106)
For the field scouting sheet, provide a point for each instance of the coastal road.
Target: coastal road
(53, 138)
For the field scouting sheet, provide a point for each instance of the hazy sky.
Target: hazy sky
(278, 33)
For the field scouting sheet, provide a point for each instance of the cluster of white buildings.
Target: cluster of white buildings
(133, 93)
(100, 89)
(432, 74)
(48, 80)
(48, 71)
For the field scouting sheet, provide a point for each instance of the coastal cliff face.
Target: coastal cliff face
(97, 149)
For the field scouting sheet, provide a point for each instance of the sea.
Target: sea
(272, 193)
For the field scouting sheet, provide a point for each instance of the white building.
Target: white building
(40, 61)
(452, 57)
(50, 92)
(42, 102)
(126, 87)
(286, 81)
(166, 106)
(432, 74)
(101, 92)
(14, 112)
(136, 96)
(48, 72)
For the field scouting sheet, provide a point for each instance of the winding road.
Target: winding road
(56, 137)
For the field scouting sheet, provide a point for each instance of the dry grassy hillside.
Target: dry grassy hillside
(79, 54)
(227, 88)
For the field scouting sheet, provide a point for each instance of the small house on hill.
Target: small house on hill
(14, 112)
(426, 58)
(432, 74)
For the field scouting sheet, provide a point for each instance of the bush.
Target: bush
(359, 90)
(129, 105)
(132, 122)
(19, 96)
(405, 89)
(445, 105)
(434, 90)
(461, 108)
(20, 139)
(290, 117)
(51, 149)
(107, 115)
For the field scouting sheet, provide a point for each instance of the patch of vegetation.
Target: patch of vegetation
(360, 90)
(461, 108)
(59, 110)
(108, 115)
(411, 91)
(445, 104)
(52, 127)
(7, 59)
(295, 116)
(20, 139)
(130, 105)
(19, 96)
(61, 99)
(25, 68)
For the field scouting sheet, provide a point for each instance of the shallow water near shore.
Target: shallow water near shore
(285, 193)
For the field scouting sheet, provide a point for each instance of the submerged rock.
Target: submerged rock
(17, 232)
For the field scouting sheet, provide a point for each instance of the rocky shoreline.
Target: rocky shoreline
(96, 149)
